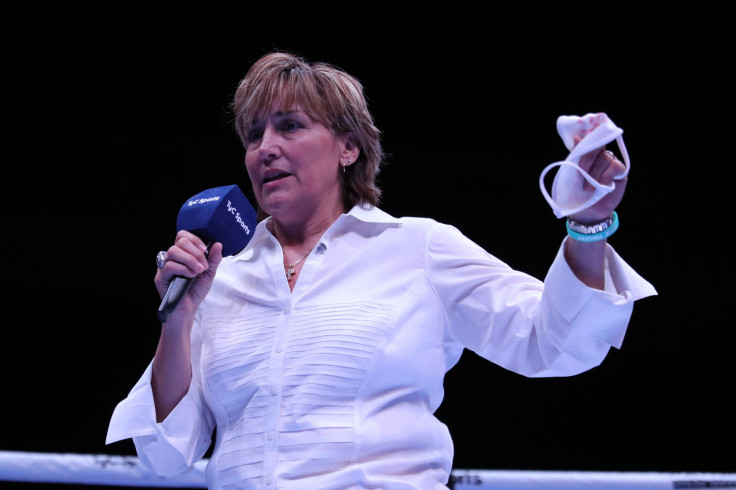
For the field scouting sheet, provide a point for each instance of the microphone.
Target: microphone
(221, 214)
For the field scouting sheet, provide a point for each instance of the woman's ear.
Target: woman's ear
(350, 151)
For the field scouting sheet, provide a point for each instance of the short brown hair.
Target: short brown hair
(330, 96)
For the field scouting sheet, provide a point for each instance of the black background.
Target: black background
(113, 119)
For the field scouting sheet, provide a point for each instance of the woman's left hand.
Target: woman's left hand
(603, 166)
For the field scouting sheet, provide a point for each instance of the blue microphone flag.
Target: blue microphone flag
(221, 214)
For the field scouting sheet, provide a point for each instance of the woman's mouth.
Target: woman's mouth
(270, 177)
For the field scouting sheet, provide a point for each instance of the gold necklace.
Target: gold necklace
(290, 268)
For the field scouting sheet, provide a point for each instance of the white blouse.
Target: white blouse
(334, 385)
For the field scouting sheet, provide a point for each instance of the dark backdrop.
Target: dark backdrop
(112, 122)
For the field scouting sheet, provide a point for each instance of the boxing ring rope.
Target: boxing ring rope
(103, 469)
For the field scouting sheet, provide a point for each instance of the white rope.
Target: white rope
(103, 469)
(97, 469)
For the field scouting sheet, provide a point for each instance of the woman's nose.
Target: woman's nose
(269, 148)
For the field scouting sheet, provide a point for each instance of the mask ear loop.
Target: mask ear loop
(624, 155)
(600, 189)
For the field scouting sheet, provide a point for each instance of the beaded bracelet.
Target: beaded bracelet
(607, 228)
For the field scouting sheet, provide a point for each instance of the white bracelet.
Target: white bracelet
(593, 233)
(590, 229)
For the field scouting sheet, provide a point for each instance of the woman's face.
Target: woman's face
(293, 163)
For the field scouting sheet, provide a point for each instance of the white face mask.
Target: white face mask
(568, 196)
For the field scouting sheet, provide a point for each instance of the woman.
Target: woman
(318, 353)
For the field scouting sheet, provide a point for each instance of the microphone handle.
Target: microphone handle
(177, 288)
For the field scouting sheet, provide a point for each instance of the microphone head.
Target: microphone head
(221, 214)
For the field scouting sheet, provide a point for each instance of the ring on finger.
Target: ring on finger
(160, 259)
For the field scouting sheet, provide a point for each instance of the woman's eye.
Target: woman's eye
(254, 135)
(290, 126)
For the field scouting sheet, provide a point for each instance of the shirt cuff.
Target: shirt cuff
(135, 415)
(168, 447)
(605, 313)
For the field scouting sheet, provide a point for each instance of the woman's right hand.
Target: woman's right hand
(188, 257)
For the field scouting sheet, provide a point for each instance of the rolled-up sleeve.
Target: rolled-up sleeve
(558, 327)
(171, 446)
(601, 314)
(175, 444)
